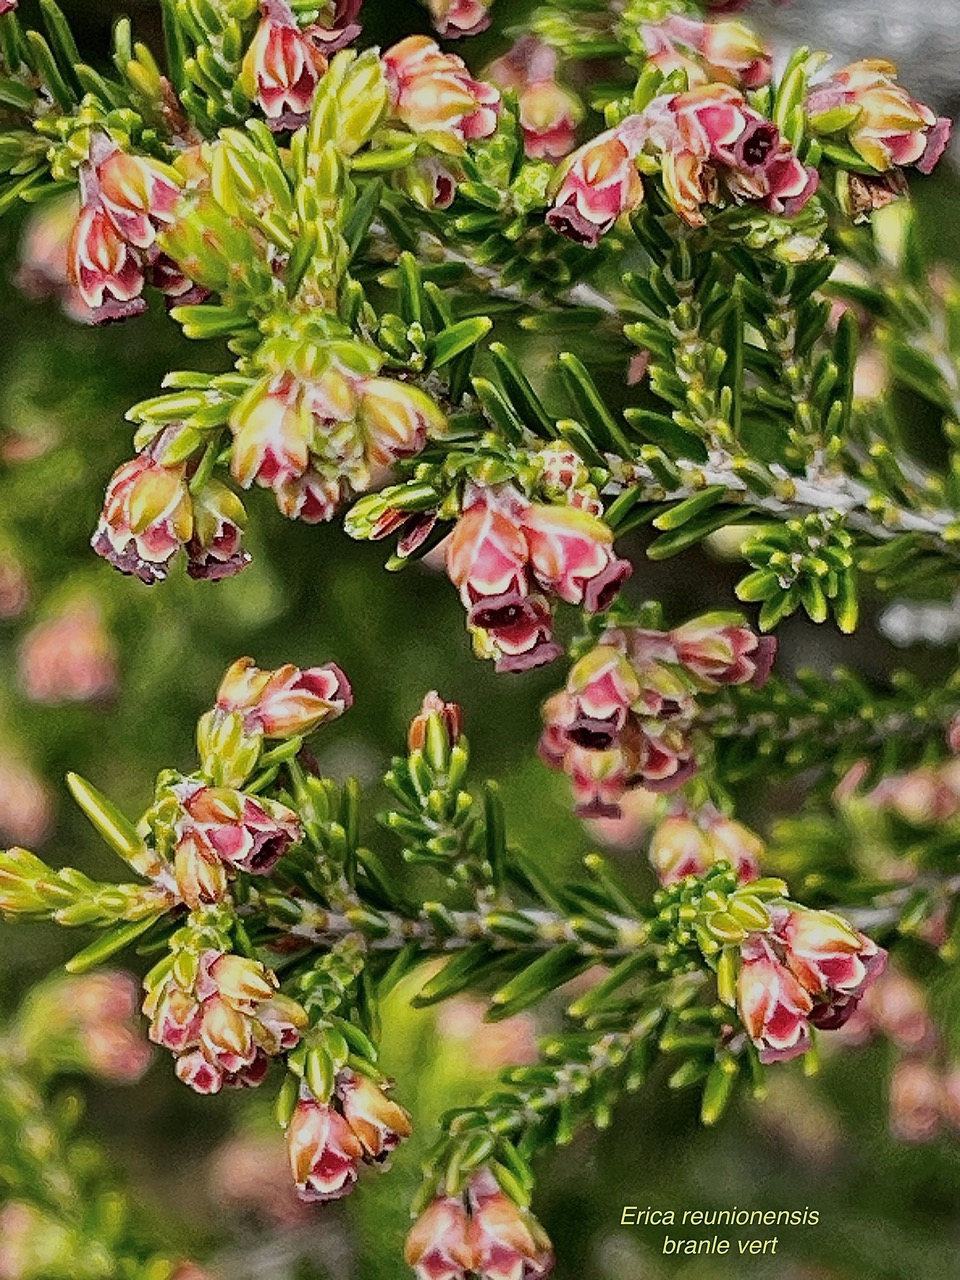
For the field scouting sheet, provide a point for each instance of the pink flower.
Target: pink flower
(285, 702)
(488, 552)
(147, 517)
(7, 6)
(272, 429)
(689, 845)
(722, 653)
(376, 1120)
(215, 550)
(245, 833)
(456, 18)
(774, 1006)
(105, 269)
(69, 658)
(137, 194)
(433, 93)
(602, 687)
(396, 419)
(26, 807)
(600, 183)
(282, 67)
(729, 52)
(571, 556)
(831, 960)
(324, 1151)
(883, 124)
(508, 1243)
(437, 1247)
(549, 113)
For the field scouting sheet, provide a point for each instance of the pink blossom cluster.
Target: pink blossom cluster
(808, 969)
(314, 442)
(219, 831)
(222, 1017)
(328, 1141)
(509, 556)
(150, 513)
(481, 1233)
(689, 843)
(712, 148)
(624, 719)
(113, 252)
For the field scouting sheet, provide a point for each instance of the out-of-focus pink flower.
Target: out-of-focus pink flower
(282, 67)
(26, 806)
(600, 183)
(97, 1011)
(490, 1045)
(252, 1172)
(885, 126)
(773, 1004)
(14, 586)
(323, 1150)
(44, 271)
(456, 18)
(915, 1101)
(287, 701)
(433, 94)
(7, 6)
(70, 657)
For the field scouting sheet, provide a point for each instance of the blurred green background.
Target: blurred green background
(888, 1211)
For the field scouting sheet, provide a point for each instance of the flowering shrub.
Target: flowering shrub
(363, 231)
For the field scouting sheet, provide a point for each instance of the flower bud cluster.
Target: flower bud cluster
(221, 1015)
(327, 1141)
(480, 1233)
(315, 440)
(150, 513)
(508, 556)
(625, 718)
(125, 201)
(548, 112)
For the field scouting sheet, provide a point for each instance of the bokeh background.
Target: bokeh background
(105, 676)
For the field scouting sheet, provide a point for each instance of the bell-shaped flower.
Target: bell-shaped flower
(105, 269)
(882, 123)
(719, 652)
(147, 517)
(508, 1242)
(396, 419)
(437, 1247)
(376, 1120)
(323, 1150)
(282, 67)
(456, 18)
(600, 183)
(138, 194)
(487, 554)
(571, 555)
(286, 702)
(773, 1004)
(828, 956)
(602, 686)
(244, 832)
(215, 550)
(433, 94)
